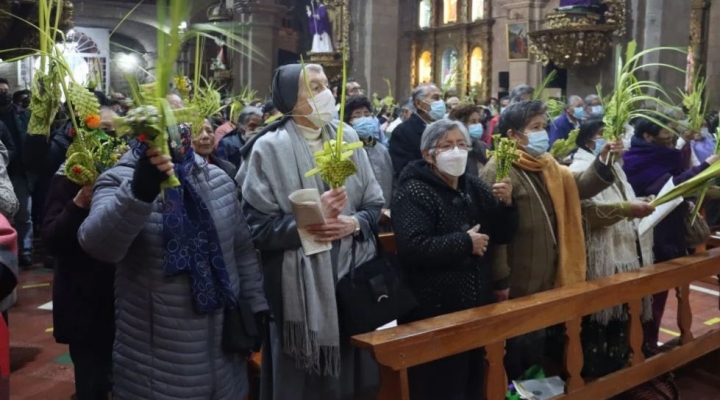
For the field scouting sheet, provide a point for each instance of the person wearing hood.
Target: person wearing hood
(650, 163)
(250, 121)
(446, 223)
(306, 356)
(548, 198)
(185, 261)
(405, 142)
(613, 245)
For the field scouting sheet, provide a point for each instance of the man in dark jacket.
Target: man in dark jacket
(566, 122)
(405, 141)
(16, 121)
(229, 147)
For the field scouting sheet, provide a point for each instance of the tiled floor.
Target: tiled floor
(42, 369)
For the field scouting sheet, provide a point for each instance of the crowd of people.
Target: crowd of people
(147, 317)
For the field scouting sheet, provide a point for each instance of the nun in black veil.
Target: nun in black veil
(306, 357)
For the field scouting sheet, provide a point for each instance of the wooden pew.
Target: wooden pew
(400, 348)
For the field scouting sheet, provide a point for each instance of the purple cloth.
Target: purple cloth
(319, 25)
(703, 148)
(645, 163)
(648, 168)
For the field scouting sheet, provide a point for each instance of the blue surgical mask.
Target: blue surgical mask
(475, 131)
(365, 127)
(437, 110)
(597, 110)
(599, 144)
(538, 143)
(578, 113)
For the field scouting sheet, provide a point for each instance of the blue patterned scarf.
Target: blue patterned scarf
(191, 242)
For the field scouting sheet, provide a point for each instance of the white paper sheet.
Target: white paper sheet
(390, 324)
(662, 211)
(46, 306)
(307, 210)
(540, 389)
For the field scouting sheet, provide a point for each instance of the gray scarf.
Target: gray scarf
(275, 169)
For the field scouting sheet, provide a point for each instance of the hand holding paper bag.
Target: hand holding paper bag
(306, 206)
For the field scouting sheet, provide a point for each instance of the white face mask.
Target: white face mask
(705, 132)
(323, 108)
(452, 162)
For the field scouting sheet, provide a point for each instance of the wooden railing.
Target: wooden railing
(405, 346)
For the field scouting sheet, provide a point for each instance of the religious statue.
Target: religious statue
(319, 26)
(335, 15)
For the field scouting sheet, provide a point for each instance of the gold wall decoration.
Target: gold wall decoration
(464, 35)
(572, 46)
(339, 13)
(575, 39)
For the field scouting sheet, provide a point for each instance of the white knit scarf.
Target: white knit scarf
(613, 249)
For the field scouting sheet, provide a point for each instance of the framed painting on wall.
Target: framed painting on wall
(517, 41)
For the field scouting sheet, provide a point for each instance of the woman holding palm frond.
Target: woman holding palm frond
(305, 356)
(613, 245)
(650, 163)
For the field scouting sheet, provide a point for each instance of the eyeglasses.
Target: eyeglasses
(451, 146)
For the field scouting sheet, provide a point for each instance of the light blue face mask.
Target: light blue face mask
(578, 113)
(597, 110)
(475, 131)
(437, 110)
(365, 127)
(599, 144)
(538, 143)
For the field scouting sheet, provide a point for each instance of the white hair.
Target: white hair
(437, 130)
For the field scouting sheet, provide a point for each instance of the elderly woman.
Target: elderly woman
(444, 219)
(469, 115)
(203, 145)
(306, 356)
(184, 262)
(612, 240)
(548, 197)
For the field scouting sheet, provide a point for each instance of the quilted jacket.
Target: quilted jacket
(163, 349)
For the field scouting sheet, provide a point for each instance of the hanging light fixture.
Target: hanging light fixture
(579, 39)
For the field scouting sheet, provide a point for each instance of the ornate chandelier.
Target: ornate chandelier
(575, 39)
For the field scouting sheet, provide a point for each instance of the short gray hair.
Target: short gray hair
(572, 99)
(519, 92)
(590, 98)
(437, 130)
(421, 91)
(248, 112)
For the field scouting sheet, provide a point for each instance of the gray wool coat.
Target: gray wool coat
(164, 349)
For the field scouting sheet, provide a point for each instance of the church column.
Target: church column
(374, 43)
(255, 68)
